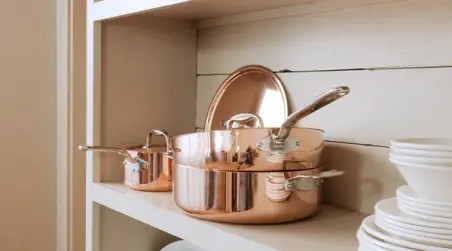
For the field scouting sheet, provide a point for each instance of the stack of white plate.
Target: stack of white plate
(420, 217)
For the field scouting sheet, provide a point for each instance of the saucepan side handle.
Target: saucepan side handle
(309, 181)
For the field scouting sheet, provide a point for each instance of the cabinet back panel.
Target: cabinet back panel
(396, 58)
(402, 34)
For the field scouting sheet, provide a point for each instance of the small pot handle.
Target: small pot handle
(157, 133)
(242, 117)
(107, 149)
(309, 182)
(163, 133)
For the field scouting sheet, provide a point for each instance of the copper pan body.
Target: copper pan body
(156, 176)
(242, 197)
(236, 150)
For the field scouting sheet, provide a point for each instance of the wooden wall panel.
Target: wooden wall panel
(396, 59)
(407, 34)
(382, 105)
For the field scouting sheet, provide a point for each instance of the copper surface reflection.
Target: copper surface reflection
(242, 197)
(251, 89)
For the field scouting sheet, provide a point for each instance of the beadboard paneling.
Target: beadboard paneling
(381, 106)
(402, 34)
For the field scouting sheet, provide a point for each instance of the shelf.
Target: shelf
(331, 229)
(188, 9)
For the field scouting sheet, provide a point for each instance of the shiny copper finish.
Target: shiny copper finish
(251, 89)
(156, 176)
(243, 197)
(146, 168)
(236, 150)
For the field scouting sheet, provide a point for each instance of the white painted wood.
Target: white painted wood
(283, 12)
(369, 176)
(107, 9)
(64, 81)
(148, 82)
(381, 106)
(401, 34)
(120, 232)
(189, 9)
(93, 126)
(338, 226)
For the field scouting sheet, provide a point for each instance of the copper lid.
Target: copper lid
(251, 89)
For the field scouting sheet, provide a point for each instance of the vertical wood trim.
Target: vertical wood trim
(92, 126)
(63, 106)
(77, 126)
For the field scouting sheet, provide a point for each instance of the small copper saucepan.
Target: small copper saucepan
(146, 168)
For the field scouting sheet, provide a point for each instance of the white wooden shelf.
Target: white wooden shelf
(331, 229)
(189, 9)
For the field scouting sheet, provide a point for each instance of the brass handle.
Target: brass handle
(107, 149)
(242, 118)
(314, 105)
(309, 181)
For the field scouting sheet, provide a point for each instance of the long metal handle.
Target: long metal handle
(309, 181)
(107, 149)
(242, 118)
(314, 105)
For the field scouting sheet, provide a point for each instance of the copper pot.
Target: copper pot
(253, 175)
(146, 168)
(249, 197)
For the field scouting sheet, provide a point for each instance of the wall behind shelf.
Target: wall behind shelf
(148, 71)
(396, 58)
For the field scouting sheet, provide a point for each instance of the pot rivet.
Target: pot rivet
(260, 144)
(297, 143)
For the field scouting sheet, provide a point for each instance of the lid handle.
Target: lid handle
(238, 120)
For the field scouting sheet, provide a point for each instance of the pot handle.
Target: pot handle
(309, 182)
(314, 105)
(107, 149)
(167, 139)
(241, 118)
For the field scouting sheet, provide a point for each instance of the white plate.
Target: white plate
(408, 193)
(408, 230)
(427, 207)
(369, 227)
(432, 144)
(425, 217)
(181, 245)
(376, 244)
(420, 210)
(413, 236)
(445, 162)
(421, 153)
(389, 210)
(424, 230)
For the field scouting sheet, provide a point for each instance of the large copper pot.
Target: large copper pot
(252, 175)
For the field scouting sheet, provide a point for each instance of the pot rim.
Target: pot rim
(250, 172)
(245, 129)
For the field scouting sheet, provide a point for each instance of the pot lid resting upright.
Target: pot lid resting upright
(252, 89)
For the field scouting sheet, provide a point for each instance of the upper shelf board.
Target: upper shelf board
(188, 9)
(332, 229)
